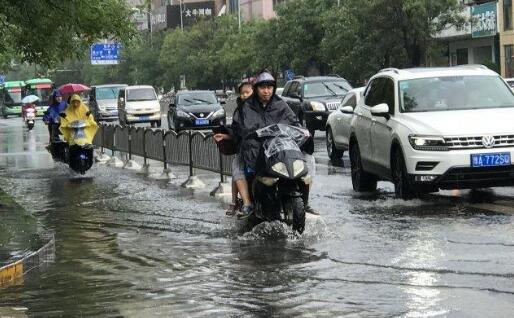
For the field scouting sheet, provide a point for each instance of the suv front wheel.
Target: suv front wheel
(403, 188)
(362, 181)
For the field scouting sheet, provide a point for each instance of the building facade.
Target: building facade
(478, 41)
(254, 9)
(506, 38)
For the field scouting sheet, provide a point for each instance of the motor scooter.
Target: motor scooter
(78, 154)
(279, 184)
(30, 117)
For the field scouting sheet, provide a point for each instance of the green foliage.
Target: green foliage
(354, 39)
(47, 31)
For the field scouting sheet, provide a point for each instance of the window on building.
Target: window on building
(507, 14)
(233, 6)
(509, 60)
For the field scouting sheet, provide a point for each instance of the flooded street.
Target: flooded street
(131, 246)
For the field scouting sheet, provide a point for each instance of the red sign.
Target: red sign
(43, 86)
(14, 90)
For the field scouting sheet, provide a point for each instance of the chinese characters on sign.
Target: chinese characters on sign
(198, 12)
(483, 20)
(105, 53)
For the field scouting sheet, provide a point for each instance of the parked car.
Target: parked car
(103, 101)
(433, 128)
(314, 98)
(338, 125)
(195, 110)
(138, 104)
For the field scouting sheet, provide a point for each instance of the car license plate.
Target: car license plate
(144, 118)
(201, 122)
(490, 159)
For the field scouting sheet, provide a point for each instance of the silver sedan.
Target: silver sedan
(338, 125)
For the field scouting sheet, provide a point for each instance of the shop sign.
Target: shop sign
(483, 20)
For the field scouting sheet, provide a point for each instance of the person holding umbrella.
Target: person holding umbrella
(28, 103)
(51, 116)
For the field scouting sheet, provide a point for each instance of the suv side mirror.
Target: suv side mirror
(381, 110)
(346, 109)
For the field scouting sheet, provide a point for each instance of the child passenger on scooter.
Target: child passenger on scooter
(239, 183)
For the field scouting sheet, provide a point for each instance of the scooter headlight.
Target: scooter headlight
(298, 167)
(280, 168)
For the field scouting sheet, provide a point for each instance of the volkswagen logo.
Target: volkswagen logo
(201, 115)
(488, 141)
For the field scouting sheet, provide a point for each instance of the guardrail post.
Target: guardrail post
(146, 167)
(115, 161)
(131, 164)
(103, 157)
(192, 182)
(166, 173)
(223, 187)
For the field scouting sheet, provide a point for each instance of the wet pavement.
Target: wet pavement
(131, 246)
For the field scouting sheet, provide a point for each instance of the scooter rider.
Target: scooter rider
(264, 108)
(51, 116)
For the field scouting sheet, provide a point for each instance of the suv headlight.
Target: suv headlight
(218, 113)
(428, 143)
(181, 113)
(317, 106)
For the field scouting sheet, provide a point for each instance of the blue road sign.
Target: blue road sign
(288, 75)
(105, 53)
(2, 79)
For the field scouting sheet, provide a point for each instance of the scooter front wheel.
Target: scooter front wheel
(298, 214)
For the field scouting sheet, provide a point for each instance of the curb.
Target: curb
(13, 273)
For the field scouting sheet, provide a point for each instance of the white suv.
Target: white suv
(433, 128)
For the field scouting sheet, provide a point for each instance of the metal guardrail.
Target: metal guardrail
(121, 138)
(154, 144)
(15, 271)
(177, 147)
(194, 149)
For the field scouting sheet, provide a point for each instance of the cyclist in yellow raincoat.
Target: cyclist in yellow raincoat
(78, 111)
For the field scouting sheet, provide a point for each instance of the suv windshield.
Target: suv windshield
(138, 94)
(326, 88)
(197, 98)
(454, 93)
(107, 93)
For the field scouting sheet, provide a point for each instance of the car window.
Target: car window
(286, 89)
(141, 94)
(454, 93)
(350, 100)
(374, 93)
(106, 92)
(388, 95)
(293, 89)
(511, 83)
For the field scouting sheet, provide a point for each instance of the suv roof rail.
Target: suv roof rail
(472, 66)
(390, 69)
(298, 76)
(334, 75)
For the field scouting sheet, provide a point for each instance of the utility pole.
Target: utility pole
(239, 14)
(181, 20)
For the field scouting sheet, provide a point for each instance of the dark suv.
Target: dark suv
(314, 98)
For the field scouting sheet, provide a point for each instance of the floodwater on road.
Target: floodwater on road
(131, 246)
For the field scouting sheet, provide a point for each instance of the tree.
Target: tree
(47, 31)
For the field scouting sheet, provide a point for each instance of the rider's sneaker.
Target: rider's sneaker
(245, 212)
(310, 210)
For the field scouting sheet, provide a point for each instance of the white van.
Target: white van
(139, 104)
